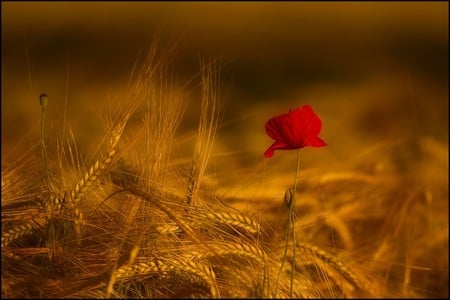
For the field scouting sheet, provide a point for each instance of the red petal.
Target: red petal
(275, 127)
(281, 128)
(269, 153)
(306, 122)
(277, 145)
(317, 142)
(297, 129)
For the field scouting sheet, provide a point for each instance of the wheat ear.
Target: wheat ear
(236, 220)
(98, 167)
(207, 128)
(333, 262)
(168, 229)
(22, 229)
(224, 218)
(91, 176)
(141, 269)
(201, 271)
(35, 222)
(163, 266)
(238, 249)
(183, 225)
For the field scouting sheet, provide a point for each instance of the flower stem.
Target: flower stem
(291, 228)
(283, 260)
(292, 221)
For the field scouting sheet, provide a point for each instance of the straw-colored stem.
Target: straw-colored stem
(292, 221)
(283, 260)
(43, 99)
(183, 225)
(291, 228)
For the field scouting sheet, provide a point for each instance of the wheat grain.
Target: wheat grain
(201, 271)
(334, 262)
(99, 166)
(183, 225)
(142, 269)
(168, 229)
(8, 253)
(221, 218)
(240, 282)
(236, 220)
(162, 267)
(34, 220)
(238, 249)
(69, 206)
(208, 125)
(17, 231)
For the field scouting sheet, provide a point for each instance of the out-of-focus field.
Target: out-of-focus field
(376, 74)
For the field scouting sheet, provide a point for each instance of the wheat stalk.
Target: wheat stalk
(69, 206)
(182, 224)
(208, 124)
(98, 167)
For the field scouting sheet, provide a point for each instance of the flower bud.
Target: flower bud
(43, 99)
(288, 195)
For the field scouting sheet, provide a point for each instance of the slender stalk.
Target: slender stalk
(43, 99)
(283, 260)
(292, 221)
(291, 228)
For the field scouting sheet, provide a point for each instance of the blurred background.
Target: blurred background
(372, 71)
(375, 72)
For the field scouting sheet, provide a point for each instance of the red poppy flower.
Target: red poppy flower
(297, 129)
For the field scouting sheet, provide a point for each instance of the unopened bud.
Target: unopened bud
(288, 195)
(43, 99)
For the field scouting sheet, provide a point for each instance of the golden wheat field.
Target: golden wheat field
(133, 137)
